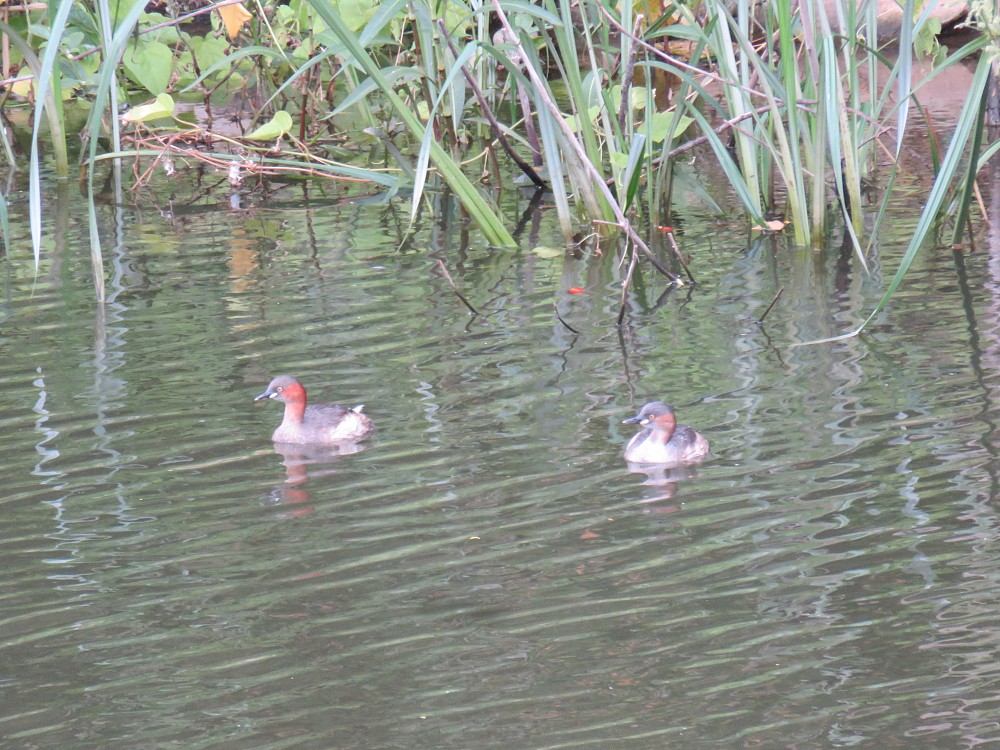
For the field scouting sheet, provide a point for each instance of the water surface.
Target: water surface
(487, 572)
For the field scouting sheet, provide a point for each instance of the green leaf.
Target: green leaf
(280, 124)
(660, 124)
(359, 12)
(162, 106)
(208, 50)
(636, 95)
(634, 168)
(149, 64)
(592, 114)
(479, 209)
(546, 252)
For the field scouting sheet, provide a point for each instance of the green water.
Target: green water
(488, 573)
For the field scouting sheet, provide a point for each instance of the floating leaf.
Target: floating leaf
(543, 251)
(575, 290)
(774, 225)
(233, 18)
(280, 124)
(162, 106)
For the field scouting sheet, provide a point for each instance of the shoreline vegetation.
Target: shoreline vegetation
(802, 106)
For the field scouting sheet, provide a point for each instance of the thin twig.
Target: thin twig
(165, 144)
(451, 281)
(560, 318)
(646, 251)
(677, 252)
(761, 318)
(625, 285)
(726, 125)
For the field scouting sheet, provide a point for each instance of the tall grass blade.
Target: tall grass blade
(737, 76)
(904, 65)
(423, 158)
(554, 165)
(4, 225)
(479, 210)
(969, 183)
(732, 171)
(574, 142)
(105, 92)
(967, 122)
(634, 169)
(107, 34)
(954, 58)
(790, 137)
(47, 99)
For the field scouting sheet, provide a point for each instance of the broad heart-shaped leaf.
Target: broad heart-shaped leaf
(162, 106)
(280, 124)
(208, 51)
(658, 125)
(149, 64)
(356, 13)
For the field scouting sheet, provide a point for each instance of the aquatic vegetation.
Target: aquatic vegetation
(592, 100)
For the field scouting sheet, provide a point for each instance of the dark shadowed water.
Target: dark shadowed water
(488, 573)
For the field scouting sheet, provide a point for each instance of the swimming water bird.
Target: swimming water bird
(662, 440)
(321, 424)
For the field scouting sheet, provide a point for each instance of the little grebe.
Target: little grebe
(663, 441)
(322, 424)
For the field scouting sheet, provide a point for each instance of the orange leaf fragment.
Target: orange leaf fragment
(576, 290)
(774, 225)
(588, 534)
(233, 17)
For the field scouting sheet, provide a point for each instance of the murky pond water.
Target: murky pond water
(487, 572)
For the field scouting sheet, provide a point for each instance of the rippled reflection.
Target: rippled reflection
(487, 571)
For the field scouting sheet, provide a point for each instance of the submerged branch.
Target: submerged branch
(773, 302)
(560, 318)
(625, 287)
(454, 288)
(677, 253)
